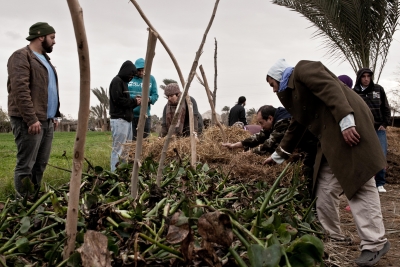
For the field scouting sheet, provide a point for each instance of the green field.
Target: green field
(97, 151)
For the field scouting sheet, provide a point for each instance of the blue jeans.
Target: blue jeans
(121, 131)
(147, 126)
(33, 152)
(380, 176)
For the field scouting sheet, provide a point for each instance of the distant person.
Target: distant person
(135, 89)
(375, 97)
(324, 106)
(346, 80)
(121, 110)
(237, 113)
(182, 128)
(33, 104)
(274, 123)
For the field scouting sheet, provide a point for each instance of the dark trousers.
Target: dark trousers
(147, 126)
(33, 151)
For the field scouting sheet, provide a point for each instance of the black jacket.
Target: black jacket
(121, 104)
(237, 113)
(375, 97)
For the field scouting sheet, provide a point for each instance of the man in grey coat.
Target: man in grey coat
(320, 103)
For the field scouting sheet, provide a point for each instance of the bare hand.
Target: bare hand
(381, 128)
(269, 161)
(56, 123)
(138, 100)
(34, 128)
(351, 136)
(228, 145)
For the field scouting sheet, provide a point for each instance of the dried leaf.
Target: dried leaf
(216, 227)
(178, 229)
(94, 250)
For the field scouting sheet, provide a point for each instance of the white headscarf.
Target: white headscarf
(277, 69)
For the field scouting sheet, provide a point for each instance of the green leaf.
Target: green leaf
(25, 224)
(306, 251)
(205, 168)
(23, 245)
(264, 257)
(74, 260)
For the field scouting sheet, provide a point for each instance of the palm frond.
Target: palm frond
(359, 31)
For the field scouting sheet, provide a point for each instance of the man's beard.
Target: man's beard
(46, 47)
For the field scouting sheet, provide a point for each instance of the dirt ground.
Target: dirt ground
(343, 255)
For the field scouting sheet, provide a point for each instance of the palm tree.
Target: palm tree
(98, 112)
(102, 96)
(359, 31)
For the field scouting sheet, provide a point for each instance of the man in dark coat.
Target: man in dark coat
(237, 113)
(321, 103)
(374, 96)
(121, 110)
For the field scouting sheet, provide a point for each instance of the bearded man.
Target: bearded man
(33, 105)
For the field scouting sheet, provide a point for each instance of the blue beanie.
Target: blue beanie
(139, 63)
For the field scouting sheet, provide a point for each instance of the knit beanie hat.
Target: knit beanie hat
(241, 100)
(346, 80)
(139, 63)
(172, 89)
(277, 69)
(39, 29)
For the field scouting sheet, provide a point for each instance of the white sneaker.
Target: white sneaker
(381, 189)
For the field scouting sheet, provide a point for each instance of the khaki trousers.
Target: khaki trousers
(365, 207)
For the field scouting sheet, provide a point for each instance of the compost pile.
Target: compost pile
(199, 216)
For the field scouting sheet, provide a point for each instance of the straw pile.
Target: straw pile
(243, 166)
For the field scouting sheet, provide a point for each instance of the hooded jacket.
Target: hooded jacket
(121, 104)
(375, 98)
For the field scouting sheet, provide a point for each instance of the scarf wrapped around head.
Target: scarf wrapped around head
(277, 69)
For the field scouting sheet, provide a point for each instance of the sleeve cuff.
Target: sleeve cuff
(278, 159)
(347, 122)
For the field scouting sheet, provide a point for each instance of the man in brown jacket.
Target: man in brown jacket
(321, 103)
(33, 105)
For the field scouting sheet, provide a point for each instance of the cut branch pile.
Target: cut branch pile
(197, 217)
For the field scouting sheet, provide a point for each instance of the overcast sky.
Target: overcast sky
(251, 36)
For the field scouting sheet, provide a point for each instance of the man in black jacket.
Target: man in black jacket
(121, 110)
(237, 113)
(375, 97)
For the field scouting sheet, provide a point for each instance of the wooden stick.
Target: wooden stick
(210, 100)
(189, 103)
(215, 77)
(185, 91)
(83, 115)
(151, 47)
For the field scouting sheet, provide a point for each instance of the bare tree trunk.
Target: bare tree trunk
(213, 120)
(83, 115)
(214, 114)
(151, 46)
(185, 91)
(189, 104)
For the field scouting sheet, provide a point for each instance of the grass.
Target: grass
(97, 151)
